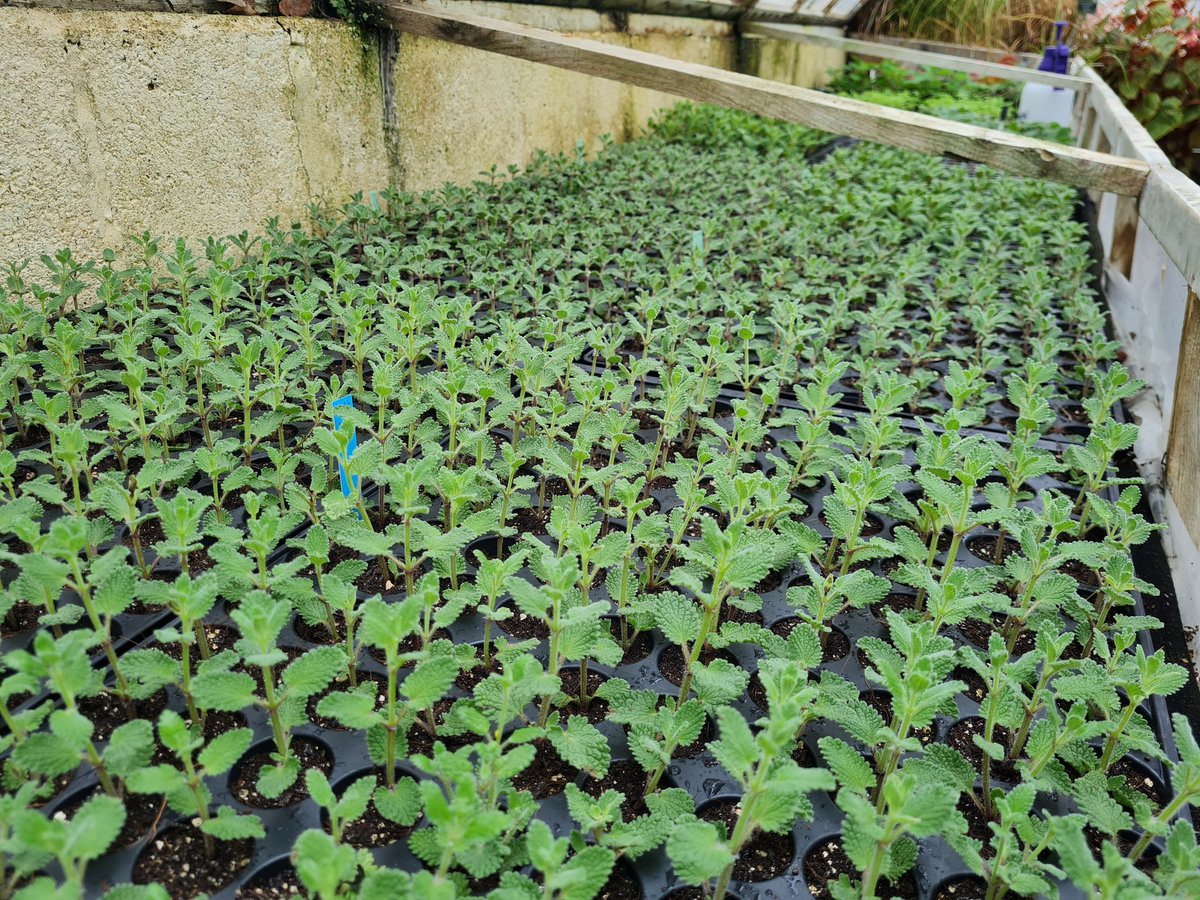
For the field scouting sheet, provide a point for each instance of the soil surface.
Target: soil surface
(280, 883)
(597, 708)
(983, 547)
(622, 884)
(764, 856)
(628, 778)
(523, 626)
(107, 712)
(547, 775)
(960, 738)
(827, 861)
(243, 783)
(142, 811)
(882, 703)
(371, 829)
(639, 648)
(970, 888)
(177, 861)
(670, 661)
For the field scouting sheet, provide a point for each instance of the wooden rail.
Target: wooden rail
(827, 112)
(979, 67)
(991, 54)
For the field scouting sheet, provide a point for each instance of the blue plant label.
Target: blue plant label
(348, 481)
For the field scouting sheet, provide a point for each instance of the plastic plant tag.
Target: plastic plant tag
(348, 481)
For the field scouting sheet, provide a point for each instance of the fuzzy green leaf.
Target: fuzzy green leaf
(224, 750)
(227, 825)
(582, 745)
(401, 804)
(697, 851)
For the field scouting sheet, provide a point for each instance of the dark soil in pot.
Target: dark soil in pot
(764, 856)
(597, 708)
(984, 547)
(107, 712)
(672, 664)
(960, 736)
(639, 648)
(523, 626)
(243, 783)
(976, 687)
(530, 521)
(977, 825)
(827, 861)
(142, 811)
(177, 861)
(547, 775)
(881, 702)
(622, 884)
(971, 887)
(278, 883)
(22, 617)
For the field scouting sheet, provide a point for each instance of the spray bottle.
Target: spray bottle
(1041, 102)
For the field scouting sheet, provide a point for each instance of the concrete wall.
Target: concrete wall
(196, 125)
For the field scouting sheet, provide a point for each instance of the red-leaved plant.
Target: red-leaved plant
(1149, 51)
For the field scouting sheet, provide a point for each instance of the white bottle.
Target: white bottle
(1043, 103)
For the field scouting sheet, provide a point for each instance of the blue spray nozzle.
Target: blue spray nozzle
(1057, 56)
(348, 481)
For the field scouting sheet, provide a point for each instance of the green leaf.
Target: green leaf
(276, 778)
(582, 746)
(155, 780)
(697, 851)
(1094, 801)
(137, 892)
(46, 755)
(224, 691)
(322, 793)
(113, 595)
(323, 865)
(227, 825)
(355, 709)
(429, 681)
(401, 804)
(677, 618)
(130, 748)
(94, 827)
(719, 683)
(312, 672)
(545, 852)
(736, 750)
(851, 770)
(584, 874)
(225, 750)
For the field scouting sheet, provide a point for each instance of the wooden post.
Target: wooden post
(1183, 448)
(1005, 151)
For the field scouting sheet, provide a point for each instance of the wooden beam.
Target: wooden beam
(992, 54)
(820, 13)
(979, 67)
(827, 112)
